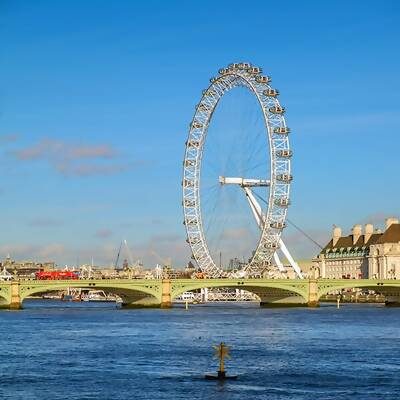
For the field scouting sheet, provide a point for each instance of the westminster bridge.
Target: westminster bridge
(161, 293)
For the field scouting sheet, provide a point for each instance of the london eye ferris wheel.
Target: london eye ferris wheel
(272, 188)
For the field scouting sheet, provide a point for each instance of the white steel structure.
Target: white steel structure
(272, 221)
(247, 184)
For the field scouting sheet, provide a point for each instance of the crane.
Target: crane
(119, 252)
(124, 245)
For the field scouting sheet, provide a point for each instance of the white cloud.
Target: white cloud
(103, 233)
(75, 159)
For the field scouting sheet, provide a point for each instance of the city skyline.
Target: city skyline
(95, 114)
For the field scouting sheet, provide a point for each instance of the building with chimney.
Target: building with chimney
(362, 254)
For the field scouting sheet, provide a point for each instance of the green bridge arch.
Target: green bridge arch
(385, 287)
(4, 296)
(281, 287)
(130, 291)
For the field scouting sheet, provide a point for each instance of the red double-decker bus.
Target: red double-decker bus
(57, 275)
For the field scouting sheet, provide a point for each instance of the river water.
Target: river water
(53, 350)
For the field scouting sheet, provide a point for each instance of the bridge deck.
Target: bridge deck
(163, 292)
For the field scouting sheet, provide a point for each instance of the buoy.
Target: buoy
(221, 352)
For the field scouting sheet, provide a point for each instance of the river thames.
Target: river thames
(53, 350)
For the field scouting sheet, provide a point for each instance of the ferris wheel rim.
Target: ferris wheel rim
(238, 75)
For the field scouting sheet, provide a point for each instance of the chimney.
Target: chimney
(390, 221)
(369, 230)
(357, 231)
(336, 235)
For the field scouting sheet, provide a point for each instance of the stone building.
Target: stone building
(360, 255)
(26, 269)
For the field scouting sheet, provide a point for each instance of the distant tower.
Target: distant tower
(8, 261)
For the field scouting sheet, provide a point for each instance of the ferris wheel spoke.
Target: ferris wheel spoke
(253, 167)
(213, 214)
(209, 199)
(213, 167)
(216, 216)
(217, 243)
(255, 152)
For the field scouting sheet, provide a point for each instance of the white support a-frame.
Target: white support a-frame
(258, 216)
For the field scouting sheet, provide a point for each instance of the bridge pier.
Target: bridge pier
(282, 303)
(313, 300)
(285, 298)
(276, 298)
(142, 300)
(15, 297)
(166, 298)
(392, 301)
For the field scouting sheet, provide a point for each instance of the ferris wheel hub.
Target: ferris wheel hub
(243, 182)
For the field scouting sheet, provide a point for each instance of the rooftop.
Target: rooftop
(391, 235)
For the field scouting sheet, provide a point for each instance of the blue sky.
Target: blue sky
(96, 98)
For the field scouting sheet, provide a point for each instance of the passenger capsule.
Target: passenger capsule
(284, 153)
(277, 110)
(278, 225)
(254, 70)
(212, 80)
(189, 163)
(209, 92)
(193, 143)
(193, 240)
(271, 246)
(284, 178)
(271, 92)
(188, 183)
(197, 125)
(282, 130)
(267, 263)
(263, 79)
(203, 107)
(189, 203)
(243, 66)
(282, 202)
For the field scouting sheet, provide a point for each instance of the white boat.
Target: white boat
(98, 295)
